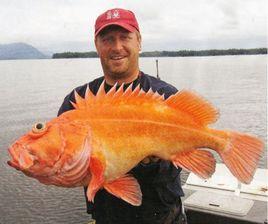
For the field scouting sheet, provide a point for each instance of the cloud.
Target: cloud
(177, 24)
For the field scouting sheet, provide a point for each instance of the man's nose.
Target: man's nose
(117, 45)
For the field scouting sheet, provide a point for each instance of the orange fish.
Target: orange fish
(106, 135)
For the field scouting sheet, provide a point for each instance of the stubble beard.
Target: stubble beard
(116, 73)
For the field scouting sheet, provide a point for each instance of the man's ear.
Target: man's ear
(95, 42)
(140, 47)
(139, 40)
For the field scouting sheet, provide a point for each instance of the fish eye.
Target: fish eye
(39, 127)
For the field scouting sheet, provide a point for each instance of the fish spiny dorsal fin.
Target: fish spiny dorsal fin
(142, 93)
(195, 106)
(101, 91)
(157, 96)
(136, 91)
(112, 91)
(119, 92)
(187, 102)
(128, 91)
(150, 93)
(79, 101)
(89, 97)
(73, 104)
(88, 94)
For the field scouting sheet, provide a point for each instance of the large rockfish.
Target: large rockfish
(106, 135)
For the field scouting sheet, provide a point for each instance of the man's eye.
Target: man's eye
(107, 39)
(125, 37)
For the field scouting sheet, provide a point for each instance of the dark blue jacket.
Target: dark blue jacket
(159, 181)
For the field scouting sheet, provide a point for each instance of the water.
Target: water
(33, 90)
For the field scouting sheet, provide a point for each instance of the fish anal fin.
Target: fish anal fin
(200, 162)
(97, 177)
(195, 106)
(126, 188)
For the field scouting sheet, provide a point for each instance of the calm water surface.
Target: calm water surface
(33, 90)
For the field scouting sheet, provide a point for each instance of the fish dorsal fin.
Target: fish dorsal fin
(136, 91)
(119, 92)
(187, 102)
(80, 102)
(112, 90)
(193, 105)
(83, 103)
(89, 97)
(128, 91)
(101, 92)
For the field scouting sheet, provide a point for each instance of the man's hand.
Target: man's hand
(150, 159)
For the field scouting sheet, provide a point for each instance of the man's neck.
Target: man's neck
(110, 81)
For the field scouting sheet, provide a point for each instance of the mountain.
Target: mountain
(20, 51)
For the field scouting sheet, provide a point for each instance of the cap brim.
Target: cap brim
(123, 25)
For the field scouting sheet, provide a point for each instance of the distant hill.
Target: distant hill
(20, 51)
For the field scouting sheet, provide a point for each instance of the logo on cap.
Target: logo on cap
(113, 14)
(119, 17)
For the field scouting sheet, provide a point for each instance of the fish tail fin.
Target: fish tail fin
(241, 155)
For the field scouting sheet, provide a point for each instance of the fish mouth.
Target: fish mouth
(14, 159)
(21, 159)
(13, 164)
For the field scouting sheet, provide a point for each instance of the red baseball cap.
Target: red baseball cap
(120, 17)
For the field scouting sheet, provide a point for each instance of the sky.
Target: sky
(68, 25)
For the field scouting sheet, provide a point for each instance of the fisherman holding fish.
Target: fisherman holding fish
(118, 43)
(110, 132)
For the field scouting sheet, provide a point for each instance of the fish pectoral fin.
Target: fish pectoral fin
(126, 188)
(200, 162)
(97, 178)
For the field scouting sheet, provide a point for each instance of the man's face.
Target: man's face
(118, 50)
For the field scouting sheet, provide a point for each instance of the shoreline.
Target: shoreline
(181, 53)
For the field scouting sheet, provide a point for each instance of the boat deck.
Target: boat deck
(222, 199)
(257, 214)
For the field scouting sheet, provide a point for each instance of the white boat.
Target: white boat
(222, 199)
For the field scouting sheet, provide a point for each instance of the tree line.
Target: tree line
(182, 53)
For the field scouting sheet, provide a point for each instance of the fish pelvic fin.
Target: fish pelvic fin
(241, 155)
(194, 106)
(126, 188)
(97, 177)
(200, 162)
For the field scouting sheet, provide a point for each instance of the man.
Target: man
(118, 43)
